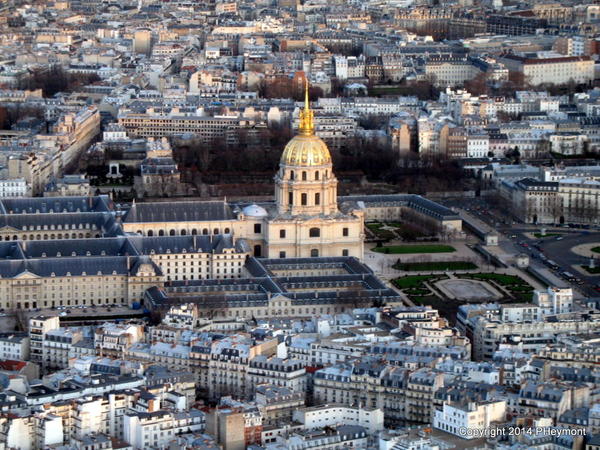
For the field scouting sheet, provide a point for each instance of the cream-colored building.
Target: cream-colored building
(569, 200)
(556, 69)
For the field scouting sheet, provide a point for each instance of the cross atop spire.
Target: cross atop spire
(307, 125)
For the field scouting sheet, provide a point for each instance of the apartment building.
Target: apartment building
(158, 428)
(159, 123)
(14, 187)
(555, 69)
(236, 425)
(551, 399)
(450, 71)
(76, 131)
(488, 333)
(458, 417)
(283, 372)
(401, 394)
(14, 346)
(39, 326)
(112, 339)
(329, 415)
(571, 200)
(277, 404)
(56, 346)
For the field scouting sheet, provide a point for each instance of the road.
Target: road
(558, 251)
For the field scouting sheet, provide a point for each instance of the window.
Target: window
(317, 176)
(314, 253)
(303, 176)
(282, 254)
(303, 199)
(282, 234)
(314, 232)
(345, 232)
(257, 227)
(292, 175)
(290, 198)
(345, 252)
(257, 251)
(317, 199)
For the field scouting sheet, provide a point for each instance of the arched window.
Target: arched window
(194, 232)
(314, 253)
(205, 231)
(291, 175)
(226, 231)
(172, 233)
(291, 198)
(317, 175)
(183, 232)
(216, 231)
(161, 232)
(303, 176)
(303, 199)
(317, 199)
(314, 232)
(150, 233)
(257, 251)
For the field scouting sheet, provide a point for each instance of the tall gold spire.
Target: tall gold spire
(307, 124)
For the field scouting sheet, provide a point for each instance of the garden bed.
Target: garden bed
(434, 266)
(411, 249)
(594, 270)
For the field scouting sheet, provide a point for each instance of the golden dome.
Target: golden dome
(306, 150)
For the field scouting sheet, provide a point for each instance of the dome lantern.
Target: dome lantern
(306, 149)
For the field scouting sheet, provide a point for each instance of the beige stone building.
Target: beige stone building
(109, 271)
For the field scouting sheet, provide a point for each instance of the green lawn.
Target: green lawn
(518, 287)
(412, 281)
(595, 270)
(504, 280)
(374, 226)
(435, 266)
(408, 249)
(377, 229)
(540, 235)
(596, 249)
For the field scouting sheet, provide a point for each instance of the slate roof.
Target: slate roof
(179, 212)
(413, 201)
(118, 246)
(38, 205)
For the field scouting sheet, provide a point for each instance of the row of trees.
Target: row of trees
(54, 79)
(11, 114)
(255, 161)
